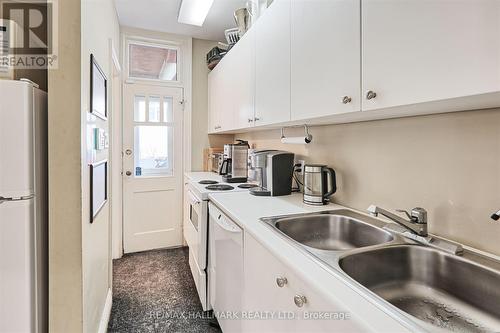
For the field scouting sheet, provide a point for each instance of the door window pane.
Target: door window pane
(168, 112)
(154, 109)
(153, 150)
(152, 62)
(140, 108)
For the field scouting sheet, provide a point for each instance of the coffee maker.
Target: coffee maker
(234, 167)
(273, 171)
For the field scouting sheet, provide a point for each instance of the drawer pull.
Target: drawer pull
(346, 99)
(300, 300)
(370, 95)
(281, 281)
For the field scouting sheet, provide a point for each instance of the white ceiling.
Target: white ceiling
(161, 15)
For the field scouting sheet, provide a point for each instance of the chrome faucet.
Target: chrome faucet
(417, 229)
(496, 216)
(416, 223)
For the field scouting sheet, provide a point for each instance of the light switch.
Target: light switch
(100, 139)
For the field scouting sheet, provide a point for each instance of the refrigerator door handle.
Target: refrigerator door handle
(27, 197)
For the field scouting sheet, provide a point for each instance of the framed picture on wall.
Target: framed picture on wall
(98, 90)
(98, 187)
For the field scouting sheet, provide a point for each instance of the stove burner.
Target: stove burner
(247, 185)
(220, 187)
(208, 182)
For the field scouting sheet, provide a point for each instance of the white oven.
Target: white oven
(195, 228)
(196, 235)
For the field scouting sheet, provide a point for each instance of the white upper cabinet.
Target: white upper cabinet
(326, 61)
(418, 51)
(231, 88)
(325, 57)
(215, 99)
(272, 65)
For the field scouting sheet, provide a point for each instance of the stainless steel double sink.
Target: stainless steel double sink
(456, 293)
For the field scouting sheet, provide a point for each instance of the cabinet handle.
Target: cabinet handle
(370, 94)
(300, 300)
(256, 119)
(250, 120)
(128, 173)
(281, 281)
(346, 99)
(217, 127)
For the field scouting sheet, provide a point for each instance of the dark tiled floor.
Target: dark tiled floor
(154, 292)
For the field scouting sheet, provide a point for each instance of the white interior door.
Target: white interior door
(152, 158)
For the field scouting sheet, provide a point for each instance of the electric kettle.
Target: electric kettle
(319, 184)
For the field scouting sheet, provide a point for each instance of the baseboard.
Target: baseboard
(106, 313)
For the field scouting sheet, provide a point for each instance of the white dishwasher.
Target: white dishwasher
(225, 273)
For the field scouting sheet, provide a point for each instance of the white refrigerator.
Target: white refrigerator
(23, 208)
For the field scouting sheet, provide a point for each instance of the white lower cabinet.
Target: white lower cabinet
(276, 300)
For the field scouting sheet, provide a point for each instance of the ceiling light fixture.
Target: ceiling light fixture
(194, 12)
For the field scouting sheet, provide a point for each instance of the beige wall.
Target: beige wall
(447, 163)
(199, 120)
(65, 203)
(79, 252)
(100, 25)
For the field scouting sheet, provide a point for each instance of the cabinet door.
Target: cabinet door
(272, 89)
(325, 57)
(231, 88)
(215, 101)
(242, 77)
(419, 51)
(263, 296)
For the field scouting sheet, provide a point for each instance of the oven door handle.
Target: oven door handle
(193, 200)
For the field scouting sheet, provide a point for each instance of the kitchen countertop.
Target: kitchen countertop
(246, 209)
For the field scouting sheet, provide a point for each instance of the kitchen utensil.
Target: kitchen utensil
(232, 36)
(242, 18)
(319, 184)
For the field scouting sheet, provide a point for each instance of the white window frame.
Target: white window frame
(158, 44)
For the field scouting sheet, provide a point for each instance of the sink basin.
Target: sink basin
(438, 288)
(331, 232)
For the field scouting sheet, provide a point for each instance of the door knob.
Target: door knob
(128, 173)
(370, 95)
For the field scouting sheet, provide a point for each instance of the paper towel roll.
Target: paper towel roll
(297, 140)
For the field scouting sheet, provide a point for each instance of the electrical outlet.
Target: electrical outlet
(302, 164)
